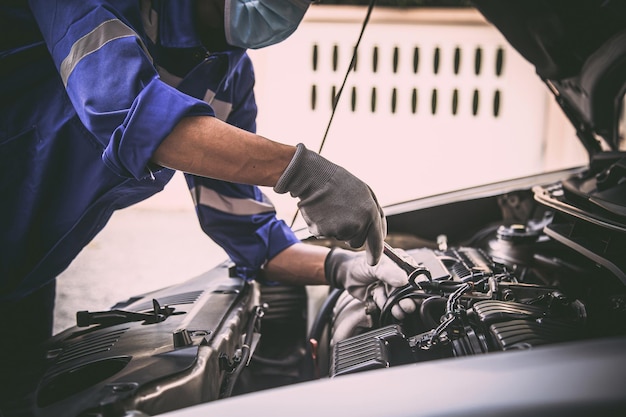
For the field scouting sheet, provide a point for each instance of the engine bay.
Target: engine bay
(501, 283)
(487, 278)
(479, 302)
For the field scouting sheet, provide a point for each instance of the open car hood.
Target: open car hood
(579, 49)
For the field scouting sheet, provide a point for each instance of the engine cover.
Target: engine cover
(121, 362)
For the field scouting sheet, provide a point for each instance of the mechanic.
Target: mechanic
(103, 100)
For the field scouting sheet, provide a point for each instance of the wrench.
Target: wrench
(412, 271)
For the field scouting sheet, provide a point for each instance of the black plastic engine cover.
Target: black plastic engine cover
(379, 348)
(153, 367)
(512, 325)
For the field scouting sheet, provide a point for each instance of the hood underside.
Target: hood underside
(578, 48)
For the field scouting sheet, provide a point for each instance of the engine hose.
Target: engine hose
(456, 288)
(324, 314)
(445, 286)
(427, 314)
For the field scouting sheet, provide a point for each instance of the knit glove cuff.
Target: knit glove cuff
(307, 172)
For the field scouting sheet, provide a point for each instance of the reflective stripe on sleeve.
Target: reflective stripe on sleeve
(221, 108)
(237, 206)
(106, 32)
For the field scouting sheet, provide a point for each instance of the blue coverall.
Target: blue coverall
(88, 90)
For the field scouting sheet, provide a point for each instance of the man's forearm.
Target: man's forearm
(208, 147)
(299, 264)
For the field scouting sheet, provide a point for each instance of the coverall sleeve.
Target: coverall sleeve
(110, 78)
(239, 217)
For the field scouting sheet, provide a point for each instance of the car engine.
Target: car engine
(475, 304)
(514, 285)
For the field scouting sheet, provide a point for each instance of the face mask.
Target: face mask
(258, 23)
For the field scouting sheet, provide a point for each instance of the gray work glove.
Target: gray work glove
(334, 203)
(350, 271)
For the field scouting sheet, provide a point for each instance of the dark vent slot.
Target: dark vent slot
(478, 61)
(396, 59)
(335, 57)
(499, 61)
(455, 101)
(496, 103)
(433, 102)
(416, 59)
(414, 101)
(475, 102)
(314, 58)
(457, 60)
(436, 60)
(353, 99)
(375, 59)
(394, 100)
(373, 103)
(313, 96)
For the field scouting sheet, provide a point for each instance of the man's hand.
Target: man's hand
(349, 270)
(334, 203)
